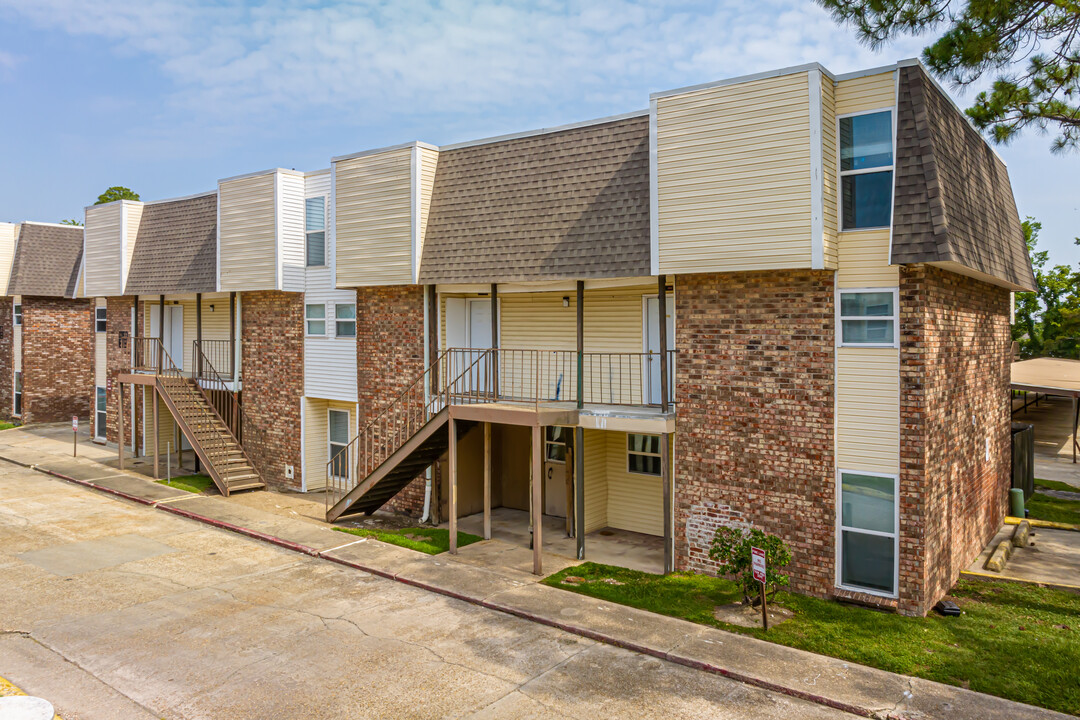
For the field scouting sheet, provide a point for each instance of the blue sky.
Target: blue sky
(167, 96)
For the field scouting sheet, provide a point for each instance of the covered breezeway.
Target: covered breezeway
(1053, 377)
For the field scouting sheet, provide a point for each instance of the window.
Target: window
(316, 319)
(315, 227)
(18, 393)
(868, 550)
(99, 319)
(99, 414)
(18, 313)
(643, 454)
(868, 317)
(345, 320)
(866, 178)
(555, 443)
(339, 443)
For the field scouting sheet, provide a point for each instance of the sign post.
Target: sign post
(757, 562)
(74, 436)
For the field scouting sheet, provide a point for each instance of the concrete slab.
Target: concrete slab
(141, 488)
(1052, 557)
(80, 557)
(458, 578)
(496, 554)
(297, 531)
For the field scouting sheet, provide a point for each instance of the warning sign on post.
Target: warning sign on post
(74, 423)
(757, 562)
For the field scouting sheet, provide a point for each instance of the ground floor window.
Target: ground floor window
(643, 454)
(555, 443)
(867, 528)
(99, 413)
(339, 442)
(18, 393)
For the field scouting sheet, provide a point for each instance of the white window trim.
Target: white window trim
(895, 534)
(330, 443)
(16, 314)
(352, 320)
(840, 292)
(99, 432)
(841, 174)
(325, 231)
(104, 318)
(555, 442)
(630, 452)
(325, 320)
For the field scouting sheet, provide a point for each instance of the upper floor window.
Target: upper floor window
(866, 170)
(643, 454)
(345, 320)
(868, 317)
(315, 227)
(18, 314)
(315, 315)
(99, 319)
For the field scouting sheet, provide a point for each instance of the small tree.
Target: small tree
(731, 548)
(71, 221)
(117, 192)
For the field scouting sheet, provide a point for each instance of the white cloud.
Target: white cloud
(380, 60)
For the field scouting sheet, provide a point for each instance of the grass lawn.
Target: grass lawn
(1044, 507)
(191, 483)
(422, 539)
(1016, 641)
(7, 425)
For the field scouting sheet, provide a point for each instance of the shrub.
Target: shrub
(731, 548)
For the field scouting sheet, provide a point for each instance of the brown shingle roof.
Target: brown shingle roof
(953, 199)
(566, 204)
(47, 260)
(176, 248)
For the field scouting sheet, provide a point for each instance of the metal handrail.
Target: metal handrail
(230, 410)
(219, 354)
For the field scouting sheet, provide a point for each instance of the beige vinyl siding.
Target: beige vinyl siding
(868, 409)
(100, 349)
(373, 219)
(215, 325)
(864, 260)
(317, 438)
(429, 160)
(596, 485)
(635, 502)
(829, 155)
(291, 231)
(133, 212)
(733, 177)
(247, 231)
(7, 254)
(102, 258)
(870, 92)
(166, 431)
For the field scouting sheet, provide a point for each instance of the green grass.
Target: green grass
(190, 483)
(1010, 642)
(436, 540)
(7, 425)
(1045, 507)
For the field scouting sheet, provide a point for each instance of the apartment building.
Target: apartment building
(46, 327)
(778, 301)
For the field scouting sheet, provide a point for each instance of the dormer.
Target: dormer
(110, 235)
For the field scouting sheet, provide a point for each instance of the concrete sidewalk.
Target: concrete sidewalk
(489, 577)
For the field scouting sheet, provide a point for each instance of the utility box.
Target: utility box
(1023, 458)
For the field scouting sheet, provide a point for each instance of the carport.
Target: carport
(1051, 376)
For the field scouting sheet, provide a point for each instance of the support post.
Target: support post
(452, 461)
(580, 344)
(433, 338)
(232, 339)
(661, 307)
(161, 347)
(487, 481)
(495, 340)
(157, 435)
(198, 334)
(579, 490)
(179, 446)
(669, 520)
(537, 508)
(1076, 423)
(120, 422)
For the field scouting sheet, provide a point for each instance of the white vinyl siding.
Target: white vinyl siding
(8, 233)
(733, 177)
(133, 212)
(868, 409)
(103, 242)
(330, 360)
(829, 155)
(290, 242)
(100, 349)
(373, 219)
(429, 161)
(247, 233)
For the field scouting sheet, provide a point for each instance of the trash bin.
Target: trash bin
(1023, 458)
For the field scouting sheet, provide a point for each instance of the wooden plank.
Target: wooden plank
(537, 507)
(487, 481)
(452, 453)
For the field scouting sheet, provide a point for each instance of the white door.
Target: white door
(479, 340)
(173, 337)
(652, 345)
(555, 470)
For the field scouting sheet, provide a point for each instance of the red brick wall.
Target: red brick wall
(7, 358)
(390, 356)
(272, 371)
(118, 360)
(955, 355)
(58, 359)
(754, 393)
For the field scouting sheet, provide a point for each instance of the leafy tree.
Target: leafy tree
(71, 221)
(731, 548)
(117, 192)
(1048, 320)
(981, 36)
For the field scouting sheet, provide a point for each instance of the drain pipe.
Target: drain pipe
(427, 498)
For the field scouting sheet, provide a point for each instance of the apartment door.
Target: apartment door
(652, 345)
(173, 337)
(555, 470)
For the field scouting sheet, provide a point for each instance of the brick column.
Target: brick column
(58, 358)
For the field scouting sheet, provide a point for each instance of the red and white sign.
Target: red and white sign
(757, 562)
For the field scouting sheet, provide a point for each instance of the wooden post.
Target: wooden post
(661, 302)
(179, 446)
(537, 508)
(433, 337)
(764, 610)
(568, 481)
(665, 478)
(580, 344)
(452, 460)
(487, 481)
(157, 437)
(232, 338)
(120, 422)
(579, 432)
(198, 334)
(495, 340)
